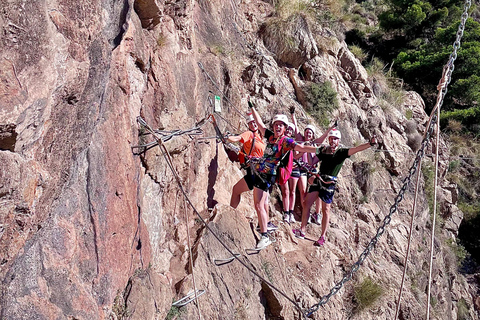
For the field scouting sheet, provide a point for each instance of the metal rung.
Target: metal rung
(192, 295)
(220, 262)
(253, 251)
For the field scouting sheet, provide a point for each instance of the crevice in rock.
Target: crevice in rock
(273, 307)
(148, 12)
(8, 137)
(122, 23)
(91, 210)
(212, 178)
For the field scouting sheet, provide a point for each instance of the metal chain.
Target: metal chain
(420, 153)
(167, 135)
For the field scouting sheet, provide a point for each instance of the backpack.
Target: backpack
(285, 166)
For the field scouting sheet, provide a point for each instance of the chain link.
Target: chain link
(412, 171)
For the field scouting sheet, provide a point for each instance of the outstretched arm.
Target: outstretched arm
(258, 120)
(303, 148)
(362, 147)
(234, 138)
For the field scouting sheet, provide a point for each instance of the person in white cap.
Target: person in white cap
(332, 157)
(266, 169)
(253, 147)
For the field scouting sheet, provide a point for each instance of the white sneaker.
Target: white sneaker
(292, 218)
(286, 218)
(264, 242)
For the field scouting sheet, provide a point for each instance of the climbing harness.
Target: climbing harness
(192, 295)
(177, 178)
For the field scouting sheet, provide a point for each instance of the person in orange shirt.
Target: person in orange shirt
(253, 147)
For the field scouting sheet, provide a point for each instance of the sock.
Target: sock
(264, 234)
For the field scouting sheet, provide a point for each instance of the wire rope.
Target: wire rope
(177, 178)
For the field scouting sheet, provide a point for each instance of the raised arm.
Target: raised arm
(362, 147)
(320, 139)
(298, 135)
(256, 116)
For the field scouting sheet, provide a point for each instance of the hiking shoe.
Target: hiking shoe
(320, 242)
(270, 227)
(298, 233)
(263, 242)
(292, 218)
(286, 217)
(317, 218)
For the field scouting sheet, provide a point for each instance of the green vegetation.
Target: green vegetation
(458, 250)
(416, 38)
(387, 87)
(358, 52)
(321, 101)
(463, 310)
(267, 268)
(119, 308)
(174, 313)
(162, 40)
(367, 293)
(408, 114)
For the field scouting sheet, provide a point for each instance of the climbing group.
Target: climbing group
(282, 155)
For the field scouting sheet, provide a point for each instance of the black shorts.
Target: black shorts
(325, 191)
(264, 181)
(303, 172)
(249, 178)
(295, 172)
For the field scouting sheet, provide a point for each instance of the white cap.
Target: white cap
(310, 127)
(250, 118)
(280, 117)
(334, 133)
(291, 125)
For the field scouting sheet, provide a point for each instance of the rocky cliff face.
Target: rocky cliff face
(93, 229)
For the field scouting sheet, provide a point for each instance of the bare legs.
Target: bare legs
(302, 187)
(260, 199)
(325, 217)
(309, 200)
(292, 185)
(285, 188)
(307, 204)
(239, 188)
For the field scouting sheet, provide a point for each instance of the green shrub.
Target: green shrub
(321, 101)
(367, 293)
(458, 250)
(408, 114)
(174, 313)
(462, 310)
(358, 52)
